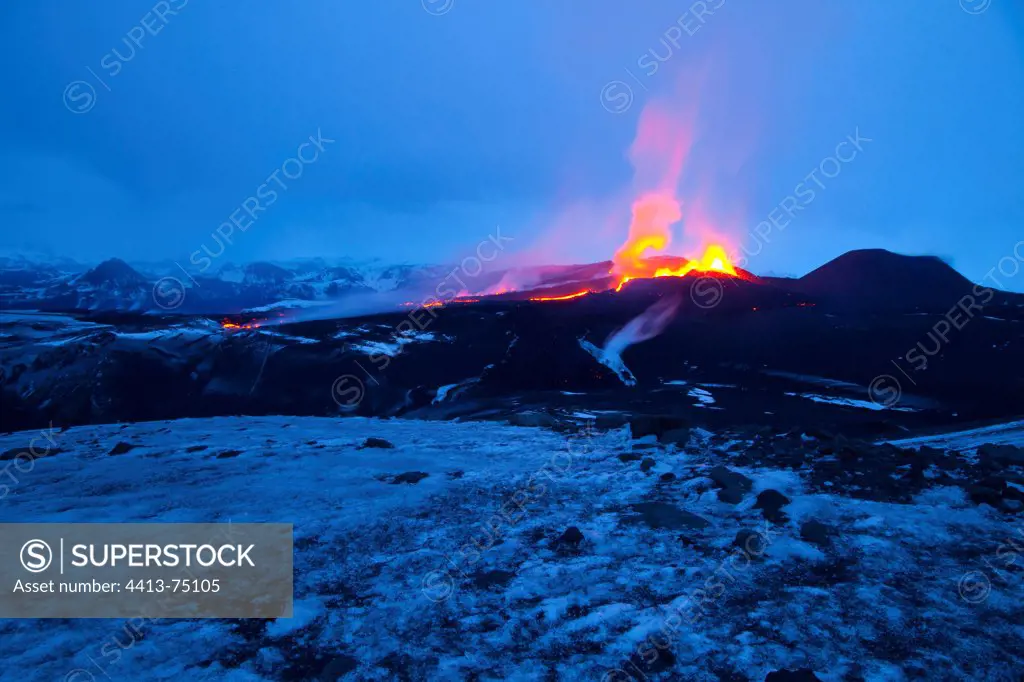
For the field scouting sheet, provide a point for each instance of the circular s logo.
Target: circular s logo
(707, 292)
(885, 391)
(616, 97)
(79, 97)
(169, 293)
(36, 556)
(348, 391)
(974, 587)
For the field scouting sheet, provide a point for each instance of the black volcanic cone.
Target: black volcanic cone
(878, 280)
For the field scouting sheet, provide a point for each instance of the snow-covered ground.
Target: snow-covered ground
(1010, 433)
(461, 574)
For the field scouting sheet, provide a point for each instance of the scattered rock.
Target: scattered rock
(1002, 454)
(197, 448)
(496, 578)
(655, 425)
(771, 502)
(751, 542)
(607, 422)
(338, 667)
(1013, 492)
(410, 477)
(28, 452)
(453, 475)
(980, 494)
(801, 675)
(629, 457)
(667, 477)
(121, 448)
(1013, 506)
(725, 478)
(678, 437)
(646, 465)
(730, 495)
(816, 532)
(572, 537)
(663, 660)
(994, 482)
(376, 443)
(664, 515)
(228, 454)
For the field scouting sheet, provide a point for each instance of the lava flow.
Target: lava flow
(562, 298)
(227, 324)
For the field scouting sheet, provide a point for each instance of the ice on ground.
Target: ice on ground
(702, 396)
(393, 347)
(442, 392)
(850, 402)
(415, 578)
(610, 360)
(1010, 433)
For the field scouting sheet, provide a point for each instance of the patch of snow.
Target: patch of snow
(1009, 433)
(850, 402)
(384, 568)
(610, 360)
(702, 396)
(442, 392)
(287, 303)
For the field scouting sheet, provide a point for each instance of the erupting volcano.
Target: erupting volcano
(658, 153)
(650, 230)
(715, 259)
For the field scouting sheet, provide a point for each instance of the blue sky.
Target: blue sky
(449, 118)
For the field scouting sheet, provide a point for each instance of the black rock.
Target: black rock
(654, 660)
(121, 448)
(815, 532)
(629, 457)
(655, 425)
(410, 477)
(376, 443)
(801, 675)
(980, 494)
(572, 537)
(994, 482)
(664, 515)
(751, 542)
(771, 502)
(1012, 493)
(646, 465)
(29, 453)
(1003, 454)
(227, 454)
(678, 437)
(667, 477)
(724, 478)
(730, 495)
(496, 578)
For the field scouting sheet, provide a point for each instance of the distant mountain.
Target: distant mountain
(880, 280)
(871, 280)
(112, 274)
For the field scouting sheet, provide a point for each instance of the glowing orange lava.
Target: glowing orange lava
(233, 325)
(715, 259)
(562, 298)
